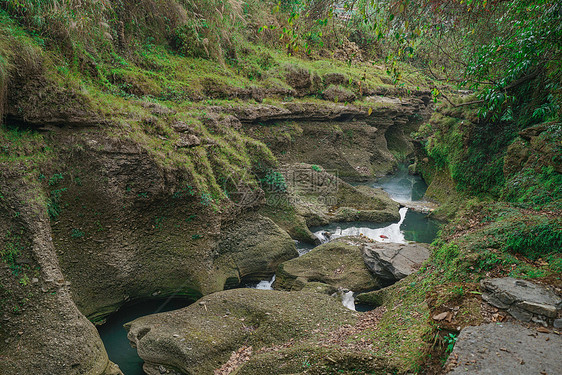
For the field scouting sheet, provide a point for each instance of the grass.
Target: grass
(122, 87)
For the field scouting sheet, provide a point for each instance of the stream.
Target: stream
(114, 336)
(406, 189)
(412, 226)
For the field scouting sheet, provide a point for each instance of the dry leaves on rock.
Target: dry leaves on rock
(238, 358)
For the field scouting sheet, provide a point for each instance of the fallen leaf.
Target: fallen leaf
(441, 316)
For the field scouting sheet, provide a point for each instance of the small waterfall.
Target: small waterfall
(324, 236)
(390, 233)
(265, 284)
(347, 299)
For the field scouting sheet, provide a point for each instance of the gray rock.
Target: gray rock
(188, 140)
(228, 320)
(539, 308)
(520, 314)
(393, 261)
(557, 323)
(494, 301)
(521, 298)
(505, 349)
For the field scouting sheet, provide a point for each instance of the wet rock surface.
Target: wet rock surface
(523, 299)
(507, 348)
(392, 261)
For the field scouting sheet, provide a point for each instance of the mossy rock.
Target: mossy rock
(318, 287)
(322, 198)
(338, 94)
(284, 215)
(257, 246)
(338, 263)
(374, 298)
(200, 338)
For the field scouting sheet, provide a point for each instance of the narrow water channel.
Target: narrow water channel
(403, 188)
(415, 226)
(114, 336)
(412, 226)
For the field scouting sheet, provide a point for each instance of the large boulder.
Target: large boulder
(394, 261)
(523, 299)
(506, 348)
(337, 263)
(41, 330)
(201, 337)
(256, 246)
(321, 197)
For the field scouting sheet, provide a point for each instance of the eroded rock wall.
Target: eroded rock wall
(41, 331)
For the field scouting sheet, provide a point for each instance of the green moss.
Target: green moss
(501, 234)
(3, 83)
(402, 332)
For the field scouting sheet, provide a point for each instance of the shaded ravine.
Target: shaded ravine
(402, 187)
(114, 335)
(412, 226)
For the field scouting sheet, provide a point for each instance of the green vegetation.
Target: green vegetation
(76, 233)
(13, 247)
(163, 78)
(274, 182)
(450, 340)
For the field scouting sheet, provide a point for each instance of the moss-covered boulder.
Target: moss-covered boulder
(201, 337)
(256, 246)
(322, 198)
(338, 263)
(41, 330)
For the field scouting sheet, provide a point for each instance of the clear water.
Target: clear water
(401, 186)
(412, 226)
(114, 336)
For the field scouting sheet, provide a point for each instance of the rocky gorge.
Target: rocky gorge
(120, 227)
(164, 162)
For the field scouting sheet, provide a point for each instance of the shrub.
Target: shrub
(536, 240)
(274, 182)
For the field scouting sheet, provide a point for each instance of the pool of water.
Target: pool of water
(401, 186)
(412, 226)
(114, 336)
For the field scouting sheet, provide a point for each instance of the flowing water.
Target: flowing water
(348, 299)
(114, 336)
(412, 226)
(415, 226)
(405, 189)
